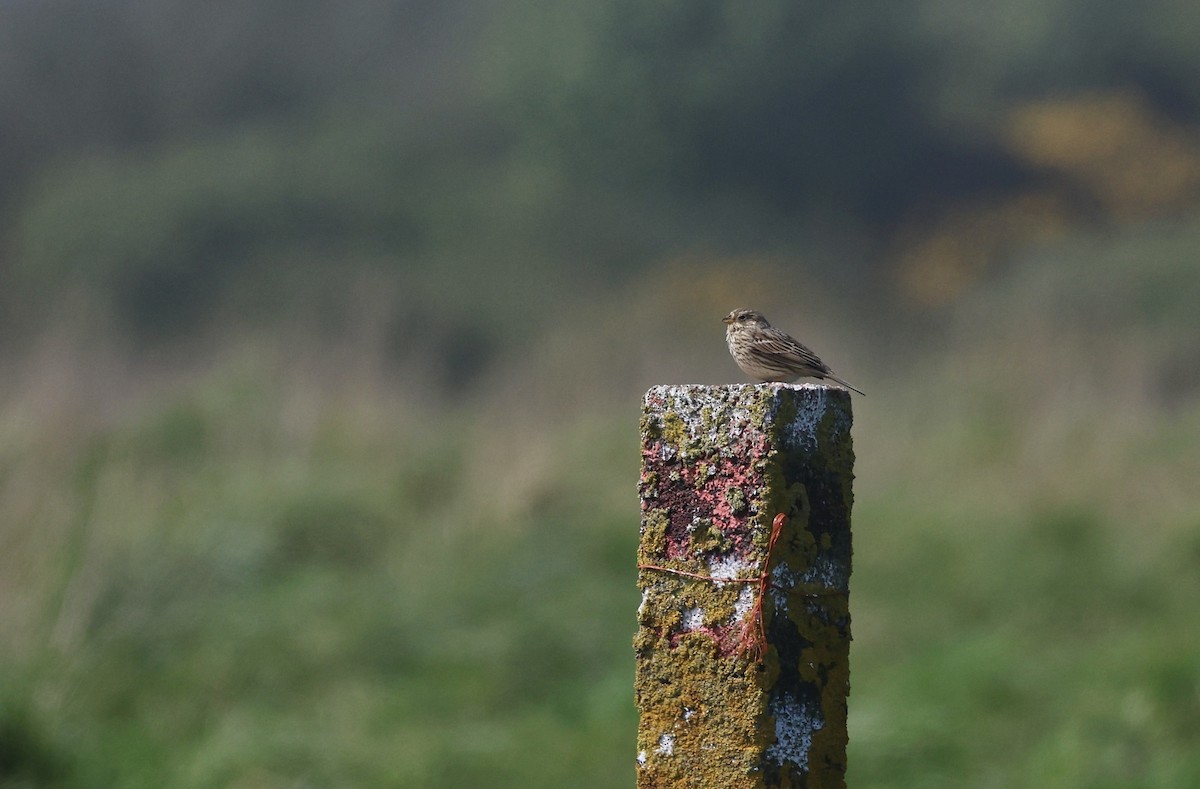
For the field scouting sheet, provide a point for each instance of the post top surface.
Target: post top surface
(743, 390)
(718, 419)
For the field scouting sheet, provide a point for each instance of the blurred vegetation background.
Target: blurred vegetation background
(324, 326)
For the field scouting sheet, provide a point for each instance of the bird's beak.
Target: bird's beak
(727, 319)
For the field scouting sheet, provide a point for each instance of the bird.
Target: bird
(768, 354)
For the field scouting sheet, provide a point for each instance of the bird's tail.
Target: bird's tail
(833, 377)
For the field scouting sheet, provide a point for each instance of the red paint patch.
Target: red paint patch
(688, 499)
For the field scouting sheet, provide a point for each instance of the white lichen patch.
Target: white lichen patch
(739, 421)
(642, 605)
(782, 581)
(744, 603)
(825, 573)
(688, 402)
(726, 567)
(666, 745)
(688, 713)
(692, 619)
(801, 432)
(641, 757)
(812, 409)
(705, 412)
(795, 723)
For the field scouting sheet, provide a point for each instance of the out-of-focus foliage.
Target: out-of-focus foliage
(162, 232)
(323, 324)
(76, 76)
(156, 148)
(809, 106)
(291, 569)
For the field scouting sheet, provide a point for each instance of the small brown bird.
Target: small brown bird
(766, 353)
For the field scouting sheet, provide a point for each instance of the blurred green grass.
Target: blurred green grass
(258, 576)
(223, 603)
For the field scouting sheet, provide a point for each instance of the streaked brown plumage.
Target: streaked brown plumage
(767, 354)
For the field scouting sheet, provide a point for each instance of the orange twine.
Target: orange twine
(752, 642)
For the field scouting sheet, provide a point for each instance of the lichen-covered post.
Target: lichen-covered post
(733, 692)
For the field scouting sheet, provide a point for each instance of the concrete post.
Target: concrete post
(743, 636)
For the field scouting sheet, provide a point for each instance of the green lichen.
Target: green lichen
(835, 438)
(674, 429)
(650, 427)
(706, 703)
(653, 535)
(800, 549)
(705, 539)
(649, 485)
(736, 499)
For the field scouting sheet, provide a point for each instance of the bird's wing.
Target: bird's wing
(777, 342)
